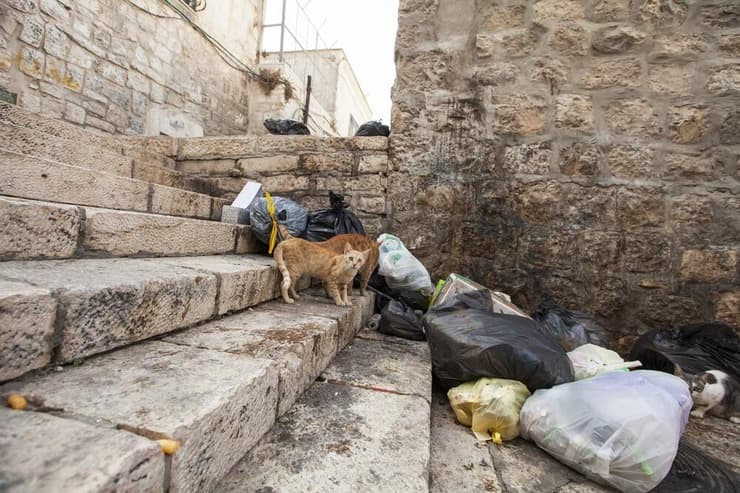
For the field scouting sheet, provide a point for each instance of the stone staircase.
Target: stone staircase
(128, 314)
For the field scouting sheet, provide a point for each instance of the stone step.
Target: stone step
(56, 311)
(216, 389)
(363, 426)
(35, 135)
(32, 229)
(43, 179)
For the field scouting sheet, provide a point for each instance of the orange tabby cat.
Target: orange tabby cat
(336, 245)
(358, 242)
(295, 257)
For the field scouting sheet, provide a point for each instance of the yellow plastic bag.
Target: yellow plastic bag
(490, 406)
(274, 231)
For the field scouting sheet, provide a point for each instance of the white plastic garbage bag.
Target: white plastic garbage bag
(590, 360)
(402, 271)
(620, 429)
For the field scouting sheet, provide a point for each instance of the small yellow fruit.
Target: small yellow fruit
(17, 401)
(169, 447)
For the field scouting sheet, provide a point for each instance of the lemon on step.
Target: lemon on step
(169, 447)
(17, 401)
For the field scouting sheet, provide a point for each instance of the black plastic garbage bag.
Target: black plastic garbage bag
(468, 341)
(397, 319)
(287, 212)
(694, 471)
(336, 220)
(570, 328)
(373, 129)
(286, 127)
(689, 350)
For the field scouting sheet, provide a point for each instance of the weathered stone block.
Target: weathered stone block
(640, 208)
(257, 166)
(689, 166)
(549, 70)
(217, 148)
(727, 307)
(617, 39)
(497, 74)
(34, 178)
(540, 203)
(113, 302)
(687, 124)
(632, 117)
(528, 158)
(662, 14)
(647, 252)
(123, 234)
(579, 158)
(300, 347)
(27, 315)
(372, 205)
(499, 17)
(631, 161)
(672, 79)
(729, 130)
(517, 115)
(709, 265)
(56, 43)
(32, 62)
(175, 202)
(373, 163)
(85, 458)
(720, 14)
(679, 46)
(573, 111)
(340, 162)
(74, 113)
(284, 183)
(570, 39)
(207, 166)
(234, 215)
(724, 80)
(623, 72)
(37, 229)
(217, 405)
(609, 10)
(729, 44)
(244, 281)
(33, 31)
(548, 12)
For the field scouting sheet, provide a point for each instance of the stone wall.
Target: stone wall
(586, 149)
(301, 168)
(119, 68)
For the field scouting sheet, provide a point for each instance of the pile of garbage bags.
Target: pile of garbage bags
(620, 428)
(285, 127)
(319, 225)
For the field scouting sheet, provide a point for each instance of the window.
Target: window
(353, 126)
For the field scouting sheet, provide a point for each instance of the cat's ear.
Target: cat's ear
(347, 248)
(366, 253)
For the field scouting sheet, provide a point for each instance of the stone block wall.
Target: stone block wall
(586, 149)
(301, 168)
(119, 68)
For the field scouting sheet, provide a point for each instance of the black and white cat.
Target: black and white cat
(716, 393)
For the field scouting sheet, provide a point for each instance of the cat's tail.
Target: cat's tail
(283, 232)
(278, 255)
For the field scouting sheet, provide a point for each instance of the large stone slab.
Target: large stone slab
(217, 405)
(34, 143)
(15, 115)
(301, 347)
(30, 229)
(349, 321)
(385, 366)
(458, 461)
(122, 233)
(112, 302)
(27, 315)
(340, 438)
(243, 280)
(41, 179)
(176, 202)
(43, 453)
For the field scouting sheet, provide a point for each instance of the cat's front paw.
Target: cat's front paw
(735, 419)
(289, 300)
(698, 413)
